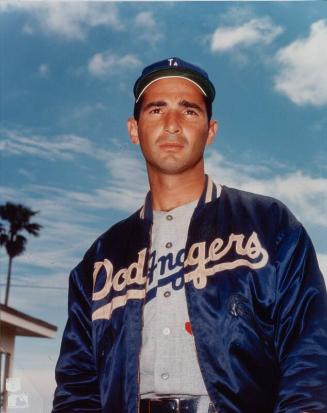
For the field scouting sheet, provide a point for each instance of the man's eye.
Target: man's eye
(155, 110)
(191, 112)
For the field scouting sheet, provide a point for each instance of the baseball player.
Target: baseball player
(207, 299)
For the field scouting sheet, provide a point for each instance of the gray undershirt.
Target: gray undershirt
(168, 361)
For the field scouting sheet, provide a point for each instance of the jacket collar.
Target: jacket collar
(210, 192)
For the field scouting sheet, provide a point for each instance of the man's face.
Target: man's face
(173, 127)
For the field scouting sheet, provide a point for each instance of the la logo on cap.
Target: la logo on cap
(172, 62)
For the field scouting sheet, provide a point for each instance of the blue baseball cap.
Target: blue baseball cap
(174, 67)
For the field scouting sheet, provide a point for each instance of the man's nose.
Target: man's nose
(172, 124)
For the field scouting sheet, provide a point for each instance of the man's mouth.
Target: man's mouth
(171, 145)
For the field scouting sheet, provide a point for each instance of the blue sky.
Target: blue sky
(67, 72)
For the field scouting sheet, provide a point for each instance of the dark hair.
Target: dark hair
(138, 105)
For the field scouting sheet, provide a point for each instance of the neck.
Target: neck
(169, 191)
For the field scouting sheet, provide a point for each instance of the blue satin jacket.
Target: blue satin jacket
(256, 301)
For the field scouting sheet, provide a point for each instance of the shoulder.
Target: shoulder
(250, 198)
(265, 208)
(110, 243)
(116, 234)
(269, 217)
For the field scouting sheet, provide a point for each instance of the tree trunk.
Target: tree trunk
(8, 280)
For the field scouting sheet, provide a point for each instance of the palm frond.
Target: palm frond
(33, 228)
(17, 246)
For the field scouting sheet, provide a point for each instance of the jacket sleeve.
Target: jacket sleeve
(300, 326)
(77, 382)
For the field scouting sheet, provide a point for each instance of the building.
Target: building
(15, 323)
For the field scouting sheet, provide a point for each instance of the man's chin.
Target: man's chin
(172, 164)
(171, 168)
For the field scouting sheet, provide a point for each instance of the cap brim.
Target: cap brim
(168, 77)
(143, 82)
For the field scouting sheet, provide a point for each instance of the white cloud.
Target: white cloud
(145, 19)
(255, 31)
(43, 70)
(63, 222)
(149, 29)
(126, 187)
(306, 196)
(302, 74)
(84, 110)
(71, 20)
(102, 64)
(59, 147)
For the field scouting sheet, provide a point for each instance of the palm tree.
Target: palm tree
(3, 236)
(18, 217)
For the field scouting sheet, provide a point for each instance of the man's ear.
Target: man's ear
(133, 130)
(212, 131)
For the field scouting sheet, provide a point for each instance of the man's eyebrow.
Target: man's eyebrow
(155, 104)
(187, 104)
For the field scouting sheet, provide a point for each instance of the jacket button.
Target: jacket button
(169, 245)
(167, 294)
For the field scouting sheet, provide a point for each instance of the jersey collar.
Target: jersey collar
(210, 192)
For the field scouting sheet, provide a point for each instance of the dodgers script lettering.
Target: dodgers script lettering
(198, 266)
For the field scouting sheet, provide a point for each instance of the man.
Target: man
(207, 299)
